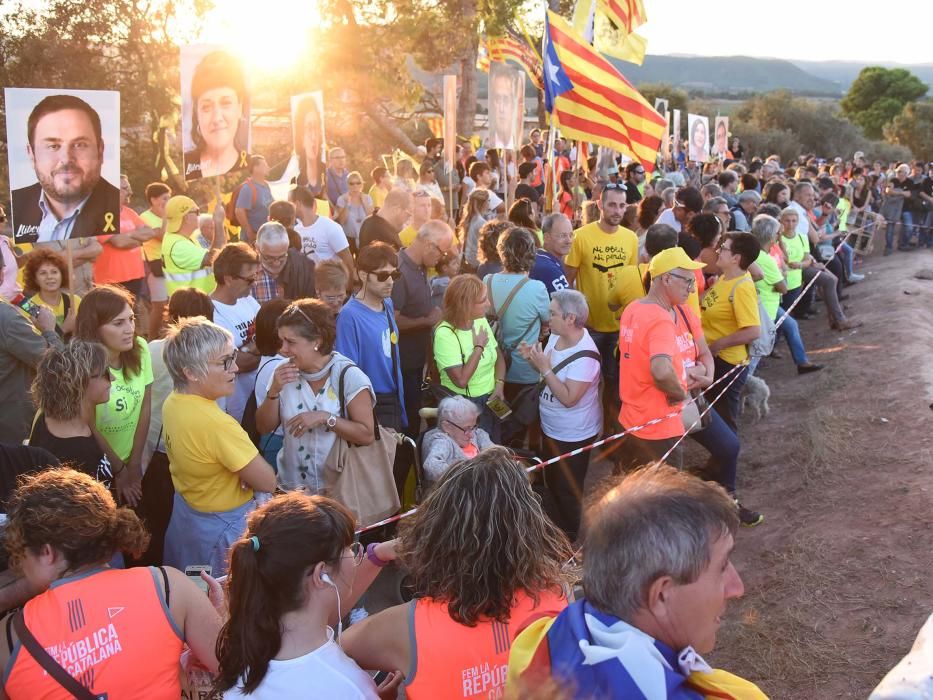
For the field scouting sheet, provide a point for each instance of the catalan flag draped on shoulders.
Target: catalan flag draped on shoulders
(591, 101)
(590, 654)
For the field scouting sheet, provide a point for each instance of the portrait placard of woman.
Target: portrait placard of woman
(215, 106)
(308, 139)
(699, 138)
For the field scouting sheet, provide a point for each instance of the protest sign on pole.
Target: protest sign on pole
(64, 157)
(215, 101)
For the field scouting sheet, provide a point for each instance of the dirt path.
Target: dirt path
(838, 578)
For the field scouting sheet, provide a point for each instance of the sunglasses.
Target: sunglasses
(358, 551)
(383, 275)
(614, 186)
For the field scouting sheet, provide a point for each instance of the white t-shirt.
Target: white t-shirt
(493, 204)
(803, 219)
(667, 217)
(240, 320)
(326, 672)
(586, 418)
(322, 240)
(264, 372)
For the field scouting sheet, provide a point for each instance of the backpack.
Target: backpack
(764, 343)
(230, 206)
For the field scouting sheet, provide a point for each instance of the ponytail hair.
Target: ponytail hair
(284, 538)
(75, 514)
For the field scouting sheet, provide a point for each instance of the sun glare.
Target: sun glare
(270, 36)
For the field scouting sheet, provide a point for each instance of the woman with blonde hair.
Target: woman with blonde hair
(472, 219)
(70, 383)
(468, 360)
(484, 561)
(118, 632)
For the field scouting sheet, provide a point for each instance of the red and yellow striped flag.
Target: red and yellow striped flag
(512, 47)
(626, 15)
(591, 101)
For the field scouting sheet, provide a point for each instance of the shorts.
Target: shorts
(157, 290)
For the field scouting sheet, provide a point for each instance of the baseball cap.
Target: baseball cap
(175, 211)
(672, 259)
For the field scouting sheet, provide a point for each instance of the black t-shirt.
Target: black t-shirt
(690, 244)
(411, 297)
(632, 195)
(81, 453)
(375, 228)
(16, 460)
(526, 191)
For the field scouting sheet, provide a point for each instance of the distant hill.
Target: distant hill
(844, 73)
(728, 75)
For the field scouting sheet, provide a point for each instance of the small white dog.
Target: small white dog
(755, 394)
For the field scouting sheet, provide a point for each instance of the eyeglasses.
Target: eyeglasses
(614, 186)
(227, 361)
(332, 298)
(358, 552)
(383, 275)
(273, 260)
(354, 182)
(690, 281)
(465, 431)
(722, 247)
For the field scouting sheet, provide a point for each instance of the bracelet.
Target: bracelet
(374, 558)
(547, 373)
(120, 471)
(481, 347)
(500, 381)
(270, 396)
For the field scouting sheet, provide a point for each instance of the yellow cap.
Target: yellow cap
(175, 211)
(672, 259)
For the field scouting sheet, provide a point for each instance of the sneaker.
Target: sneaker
(808, 367)
(856, 277)
(749, 518)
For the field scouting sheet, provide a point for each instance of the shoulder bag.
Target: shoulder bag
(498, 315)
(360, 476)
(525, 403)
(695, 414)
(388, 405)
(49, 664)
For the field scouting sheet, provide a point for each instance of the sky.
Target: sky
(809, 30)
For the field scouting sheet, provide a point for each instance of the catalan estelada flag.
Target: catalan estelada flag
(513, 47)
(591, 101)
(626, 15)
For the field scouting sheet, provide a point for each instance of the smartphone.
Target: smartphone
(26, 305)
(499, 407)
(193, 572)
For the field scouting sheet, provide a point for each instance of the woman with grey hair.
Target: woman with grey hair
(570, 409)
(521, 305)
(770, 288)
(456, 437)
(215, 467)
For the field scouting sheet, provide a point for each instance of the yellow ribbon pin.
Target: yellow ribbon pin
(108, 223)
(243, 162)
(393, 338)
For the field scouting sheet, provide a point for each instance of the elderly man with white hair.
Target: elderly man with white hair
(284, 273)
(456, 437)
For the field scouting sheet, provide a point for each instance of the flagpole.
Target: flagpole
(551, 139)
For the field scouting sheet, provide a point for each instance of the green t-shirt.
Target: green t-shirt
(843, 212)
(770, 298)
(452, 348)
(797, 248)
(117, 419)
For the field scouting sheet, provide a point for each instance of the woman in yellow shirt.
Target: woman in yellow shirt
(46, 274)
(215, 467)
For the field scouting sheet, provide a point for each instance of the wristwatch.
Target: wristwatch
(331, 422)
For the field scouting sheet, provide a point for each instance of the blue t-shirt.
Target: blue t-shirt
(549, 271)
(522, 320)
(367, 338)
(256, 213)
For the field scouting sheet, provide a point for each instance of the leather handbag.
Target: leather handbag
(361, 476)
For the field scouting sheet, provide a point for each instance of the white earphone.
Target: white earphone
(325, 577)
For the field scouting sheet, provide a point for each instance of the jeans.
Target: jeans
(789, 297)
(723, 446)
(907, 230)
(606, 344)
(925, 233)
(829, 284)
(728, 405)
(565, 481)
(791, 332)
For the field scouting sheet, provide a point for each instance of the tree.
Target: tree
(878, 95)
(913, 128)
(676, 97)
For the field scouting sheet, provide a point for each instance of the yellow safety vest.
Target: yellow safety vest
(177, 277)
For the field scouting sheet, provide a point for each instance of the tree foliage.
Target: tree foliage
(913, 128)
(878, 95)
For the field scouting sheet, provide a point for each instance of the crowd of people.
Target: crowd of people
(423, 325)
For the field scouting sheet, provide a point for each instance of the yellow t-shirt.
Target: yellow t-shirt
(722, 317)
(152, 249)
(378, 195)
(206, 448)
(58, 311)
(631, 287)
(407, 235)
(610, 252)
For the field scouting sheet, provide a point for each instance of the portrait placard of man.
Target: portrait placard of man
(60, 163)
(506, 87)
(721, 140)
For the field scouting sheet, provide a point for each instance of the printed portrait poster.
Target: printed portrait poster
(308, 140)
(698, 138)
(215, 103)
(661, 107)
(676, 133)
(505, 98)
(64, 156)
(721, 137)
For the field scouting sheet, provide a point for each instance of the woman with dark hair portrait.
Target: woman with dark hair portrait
(219, 104)
(699, 149)
(309, 144)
